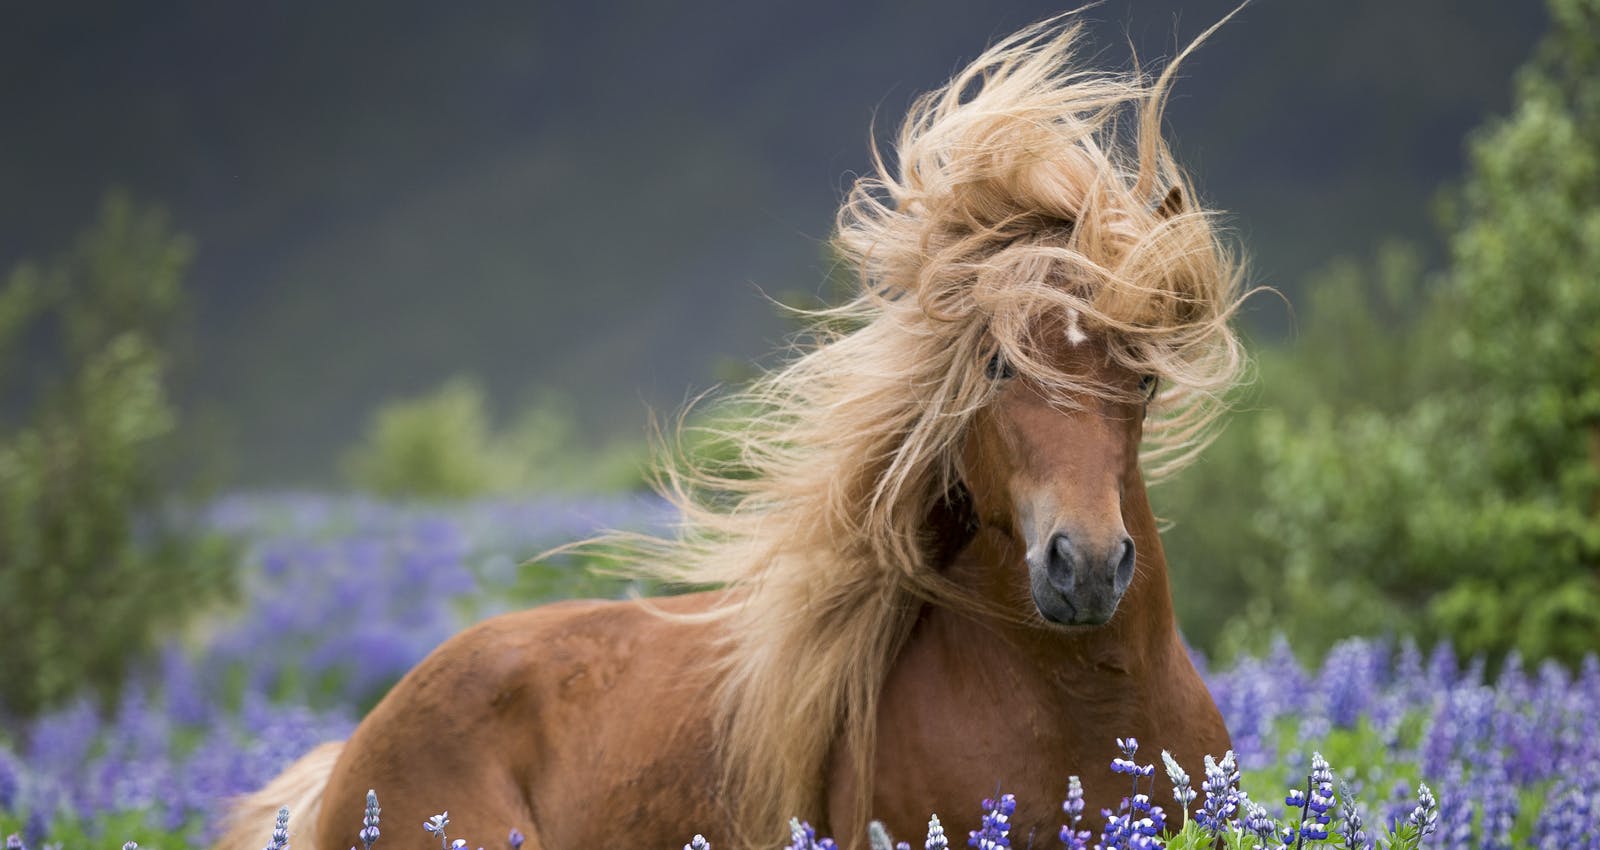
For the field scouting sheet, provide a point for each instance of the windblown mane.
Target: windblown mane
(1015, 196)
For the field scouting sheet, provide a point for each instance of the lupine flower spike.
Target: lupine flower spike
(1322, 798)
(280, 831)
(1137, 823)
(1071, 836)
(1182, 791)
(369, 821)
(14, 842)
(1351, 829)
(1126, 764)
(1313, 804)
(435, 826)
(1256, 821)
(699, 842)
(803, 837)
(996, 824)
(936, 839)
(1222, 794)
(1425, 817)
(878, 836)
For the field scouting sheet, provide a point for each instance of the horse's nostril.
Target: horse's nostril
(1061, 548)
(1062, 563)
(1124, 559)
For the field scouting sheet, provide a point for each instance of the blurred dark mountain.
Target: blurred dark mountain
(598, 198)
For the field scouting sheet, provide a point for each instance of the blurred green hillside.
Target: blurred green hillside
(594, 200)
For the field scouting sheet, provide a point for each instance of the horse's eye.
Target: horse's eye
(1147, 386)
(999, 369)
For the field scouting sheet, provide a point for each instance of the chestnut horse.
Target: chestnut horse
(938, 571)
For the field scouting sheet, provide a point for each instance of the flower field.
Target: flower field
(338, 597)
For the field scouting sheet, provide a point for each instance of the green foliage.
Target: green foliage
(443, 445)
(436, 447)
(87, 574)
(1438, 472)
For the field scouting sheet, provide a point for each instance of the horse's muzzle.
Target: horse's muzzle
(1078, 585)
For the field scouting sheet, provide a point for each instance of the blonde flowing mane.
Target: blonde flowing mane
(1018, 192)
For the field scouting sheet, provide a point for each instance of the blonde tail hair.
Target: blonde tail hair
(300, 787)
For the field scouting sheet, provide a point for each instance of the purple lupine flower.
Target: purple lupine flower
(130, 845)
(1312, 804)
(182, 692)
(1182, 792)
(1442, 667)
(1222, 794)
(1126, 765)
(14, 842)
(996, 826)
(803, 837)
(1425, 817)
(369, 821)
(1257, 821)
(1500, 808)
(1296, 802)
(1456, 814)
(1322, 796)
(435, 826)
(1348, 682)
(699, 842)
(1568, 818)
(10, 780)
(1287, 673)
(1146, 819)
(1116, 833)
(1245, 696)
(1351, 829)
(1071, 836)
(936, 839)
(516, 838)
(280, 831)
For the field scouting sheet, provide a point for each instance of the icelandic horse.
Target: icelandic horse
(936, 569)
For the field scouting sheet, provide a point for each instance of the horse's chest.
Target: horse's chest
(948, 738)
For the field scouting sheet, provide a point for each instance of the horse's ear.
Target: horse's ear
(1172, 204)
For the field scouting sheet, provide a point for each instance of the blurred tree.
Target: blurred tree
(1525, 261)
(1365, 352)
(87, 573)
(431, 447)
(1450, 483)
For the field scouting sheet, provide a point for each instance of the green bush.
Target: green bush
(87, 573)
(443, 445)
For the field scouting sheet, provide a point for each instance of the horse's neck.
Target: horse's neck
(1138, 638)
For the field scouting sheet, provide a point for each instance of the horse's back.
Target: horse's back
(524, 720)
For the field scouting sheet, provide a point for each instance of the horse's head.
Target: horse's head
(1050, 469)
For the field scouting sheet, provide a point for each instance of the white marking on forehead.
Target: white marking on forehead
(1075, 334)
